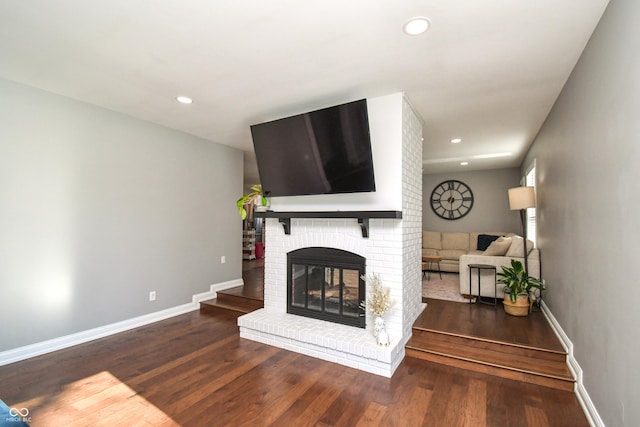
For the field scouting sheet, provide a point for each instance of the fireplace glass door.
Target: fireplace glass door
(328, 290)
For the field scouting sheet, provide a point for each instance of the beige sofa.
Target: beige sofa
(451, 246)
(458, 250)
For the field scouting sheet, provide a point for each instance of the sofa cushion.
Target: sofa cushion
(517, 247)
(458, 241)
(498, 247)
(451, 253)
(431, 239)
(484, 240)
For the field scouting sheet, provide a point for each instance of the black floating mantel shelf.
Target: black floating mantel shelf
(363, 217)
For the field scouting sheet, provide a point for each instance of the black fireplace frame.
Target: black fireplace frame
(328, 258)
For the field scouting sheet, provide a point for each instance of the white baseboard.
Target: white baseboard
(581, 392)
(37, 349)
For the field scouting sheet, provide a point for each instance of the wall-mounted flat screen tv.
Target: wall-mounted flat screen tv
(326, 151)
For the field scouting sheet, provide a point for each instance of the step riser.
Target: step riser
(212, 307)
(506, 361)
(524, 364)
(538, 366)
(501, 372)
(246, 303)
(427, 337)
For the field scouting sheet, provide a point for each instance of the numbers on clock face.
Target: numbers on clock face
(451, 199)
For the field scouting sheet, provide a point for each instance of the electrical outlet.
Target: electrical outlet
(152, 296)
(223, 259)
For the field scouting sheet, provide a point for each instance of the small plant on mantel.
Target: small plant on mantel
(518, 288)
(251, 198)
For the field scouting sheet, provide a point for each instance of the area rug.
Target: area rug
(447, 288)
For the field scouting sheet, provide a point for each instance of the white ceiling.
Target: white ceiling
(487, 71)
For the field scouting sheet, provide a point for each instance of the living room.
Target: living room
(100, 209)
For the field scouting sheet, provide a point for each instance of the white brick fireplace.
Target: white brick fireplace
(346, 345)
(392, 250)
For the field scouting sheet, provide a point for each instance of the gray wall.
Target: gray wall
(490, 210)
(97, 209)
(588, 155)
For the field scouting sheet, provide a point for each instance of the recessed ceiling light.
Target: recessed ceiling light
(184, 100)
(416, 26)
(456, 140)
(466, 164)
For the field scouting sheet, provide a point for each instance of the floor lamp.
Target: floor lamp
(522, 198)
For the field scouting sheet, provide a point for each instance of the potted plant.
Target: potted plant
(518, 289)
(255, 197)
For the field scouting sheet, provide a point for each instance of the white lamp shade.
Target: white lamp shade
(522, 198)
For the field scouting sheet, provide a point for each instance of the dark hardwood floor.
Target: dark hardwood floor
(491, 323)
(253, 277)
(195, 370)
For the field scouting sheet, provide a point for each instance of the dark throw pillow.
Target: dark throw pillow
(484, 240)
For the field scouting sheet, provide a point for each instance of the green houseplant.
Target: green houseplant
(518, 288)
(255, 195)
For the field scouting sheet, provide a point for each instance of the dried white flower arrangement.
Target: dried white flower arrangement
(380, 301)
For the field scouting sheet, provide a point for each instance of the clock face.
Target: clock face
(451, 199)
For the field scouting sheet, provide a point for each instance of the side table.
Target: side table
(481, 267)
(427, 263)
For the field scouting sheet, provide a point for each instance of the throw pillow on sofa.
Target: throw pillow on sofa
(484, 240)
(517, 248)
(498, 247)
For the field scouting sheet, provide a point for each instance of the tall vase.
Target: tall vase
(380, 332)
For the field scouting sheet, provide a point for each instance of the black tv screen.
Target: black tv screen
(326, 151)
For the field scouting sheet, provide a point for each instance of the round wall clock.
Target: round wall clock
(451, 199)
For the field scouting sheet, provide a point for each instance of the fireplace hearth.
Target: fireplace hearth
(337, 244)
(326, 284)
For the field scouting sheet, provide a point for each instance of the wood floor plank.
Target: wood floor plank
(411, 412)
(309, 408)
(475, 404)
(536, 416)
(456, 408)
(373, 415)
